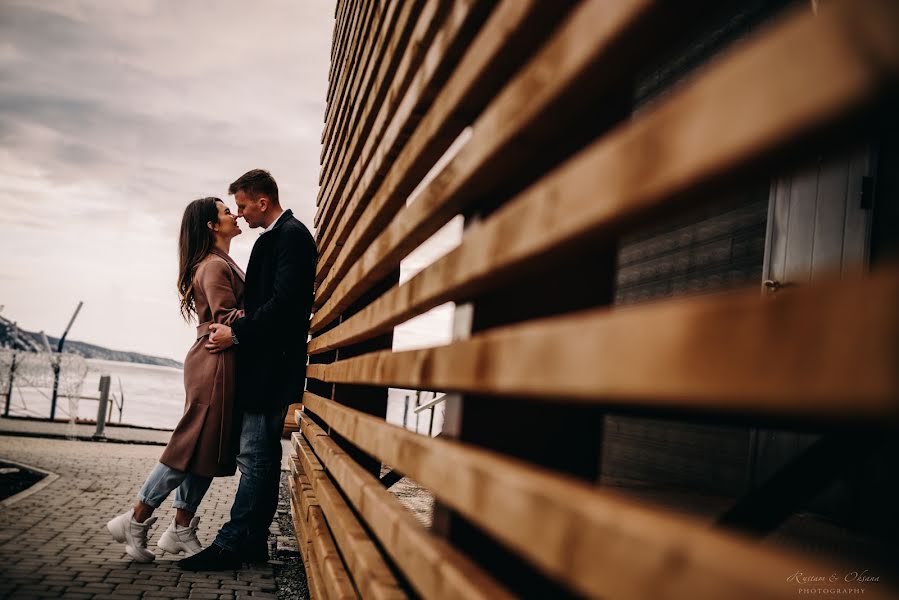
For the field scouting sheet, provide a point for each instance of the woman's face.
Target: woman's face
(227, 227)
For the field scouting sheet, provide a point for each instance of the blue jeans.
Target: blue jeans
(259, 462)
(190, 488)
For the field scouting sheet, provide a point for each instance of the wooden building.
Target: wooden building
(675, 360)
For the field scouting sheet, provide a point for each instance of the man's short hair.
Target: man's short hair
(256, 183)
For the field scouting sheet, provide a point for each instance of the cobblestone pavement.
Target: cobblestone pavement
(54, 544)
(13, 426)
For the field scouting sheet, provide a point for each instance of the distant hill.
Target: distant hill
(29, 341)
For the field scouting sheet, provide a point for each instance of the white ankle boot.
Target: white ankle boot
(177, 539)
(133, 534)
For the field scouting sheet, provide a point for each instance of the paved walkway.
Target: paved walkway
(53, 543)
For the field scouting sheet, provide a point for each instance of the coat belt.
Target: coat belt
(203, 329)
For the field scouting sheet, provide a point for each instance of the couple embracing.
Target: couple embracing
(246, 366)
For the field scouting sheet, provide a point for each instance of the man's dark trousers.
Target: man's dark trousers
(259, 462)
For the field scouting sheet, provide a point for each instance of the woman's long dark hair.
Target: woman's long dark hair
(195, 243)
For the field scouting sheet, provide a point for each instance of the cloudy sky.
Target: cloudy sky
(113, 116)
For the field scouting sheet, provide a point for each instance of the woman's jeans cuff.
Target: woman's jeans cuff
(180, 504)
(146, 500)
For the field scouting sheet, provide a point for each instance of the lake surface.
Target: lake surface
(154, 397)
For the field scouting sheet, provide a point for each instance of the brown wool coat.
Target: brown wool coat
(205, 440)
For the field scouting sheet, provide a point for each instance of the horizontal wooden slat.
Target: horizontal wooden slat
(371, 155)
(596, 542)
(305, 494)
(315, 578)
(335, 579)
(299, 521)
(543, 93)
(313, 573)
(339, 63)
(812, 353)
(339, 6)
(512, 28)
(364, 562)
(348, 95)
(386, 80)
(308, 461)
(433, 567)
(612, 183)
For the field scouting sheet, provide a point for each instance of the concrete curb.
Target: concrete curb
(49, 478)
(78, 438)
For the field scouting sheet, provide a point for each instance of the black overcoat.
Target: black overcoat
(271, 350)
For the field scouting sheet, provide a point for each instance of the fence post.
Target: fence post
(12, 375)
(101, 410)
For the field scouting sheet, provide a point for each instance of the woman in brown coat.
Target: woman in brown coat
(203, 444)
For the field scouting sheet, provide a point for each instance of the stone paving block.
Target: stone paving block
(54, 543)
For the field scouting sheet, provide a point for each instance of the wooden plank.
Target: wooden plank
(314, 577)
(340, 26)
(339, 8)
(433, 567)
(431, 40)
(612, 184)
(313, 573)
(337, 50)
(811, 354)
(381, 77)
(371, 574)
(580, 56)
(598, 543)
(362, 45)
(305, 494)
(310, 464)
(335, 579)
(299, 522)
(372, 24)
(378, 56)
(502, 42)
(338, 64)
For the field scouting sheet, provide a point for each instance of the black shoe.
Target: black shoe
(213, 558)
(255, 551)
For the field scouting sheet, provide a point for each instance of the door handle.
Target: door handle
(772, 286)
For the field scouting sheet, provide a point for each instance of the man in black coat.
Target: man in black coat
(271, 365)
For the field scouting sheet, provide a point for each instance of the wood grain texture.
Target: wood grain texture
(370, 573)
(361, 170)
(660, 160)
(335, 579)
(599, 544)
(315, 579)
(339, 62)
(433, 567)
(361, 45)
(521, 111)
(299, 521)
(811, 354)
(404, 58)
(386, 79)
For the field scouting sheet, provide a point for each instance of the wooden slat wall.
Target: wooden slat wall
(555, 172)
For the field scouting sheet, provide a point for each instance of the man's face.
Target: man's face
(251, 210)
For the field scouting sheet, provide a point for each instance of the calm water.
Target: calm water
(154, 397)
